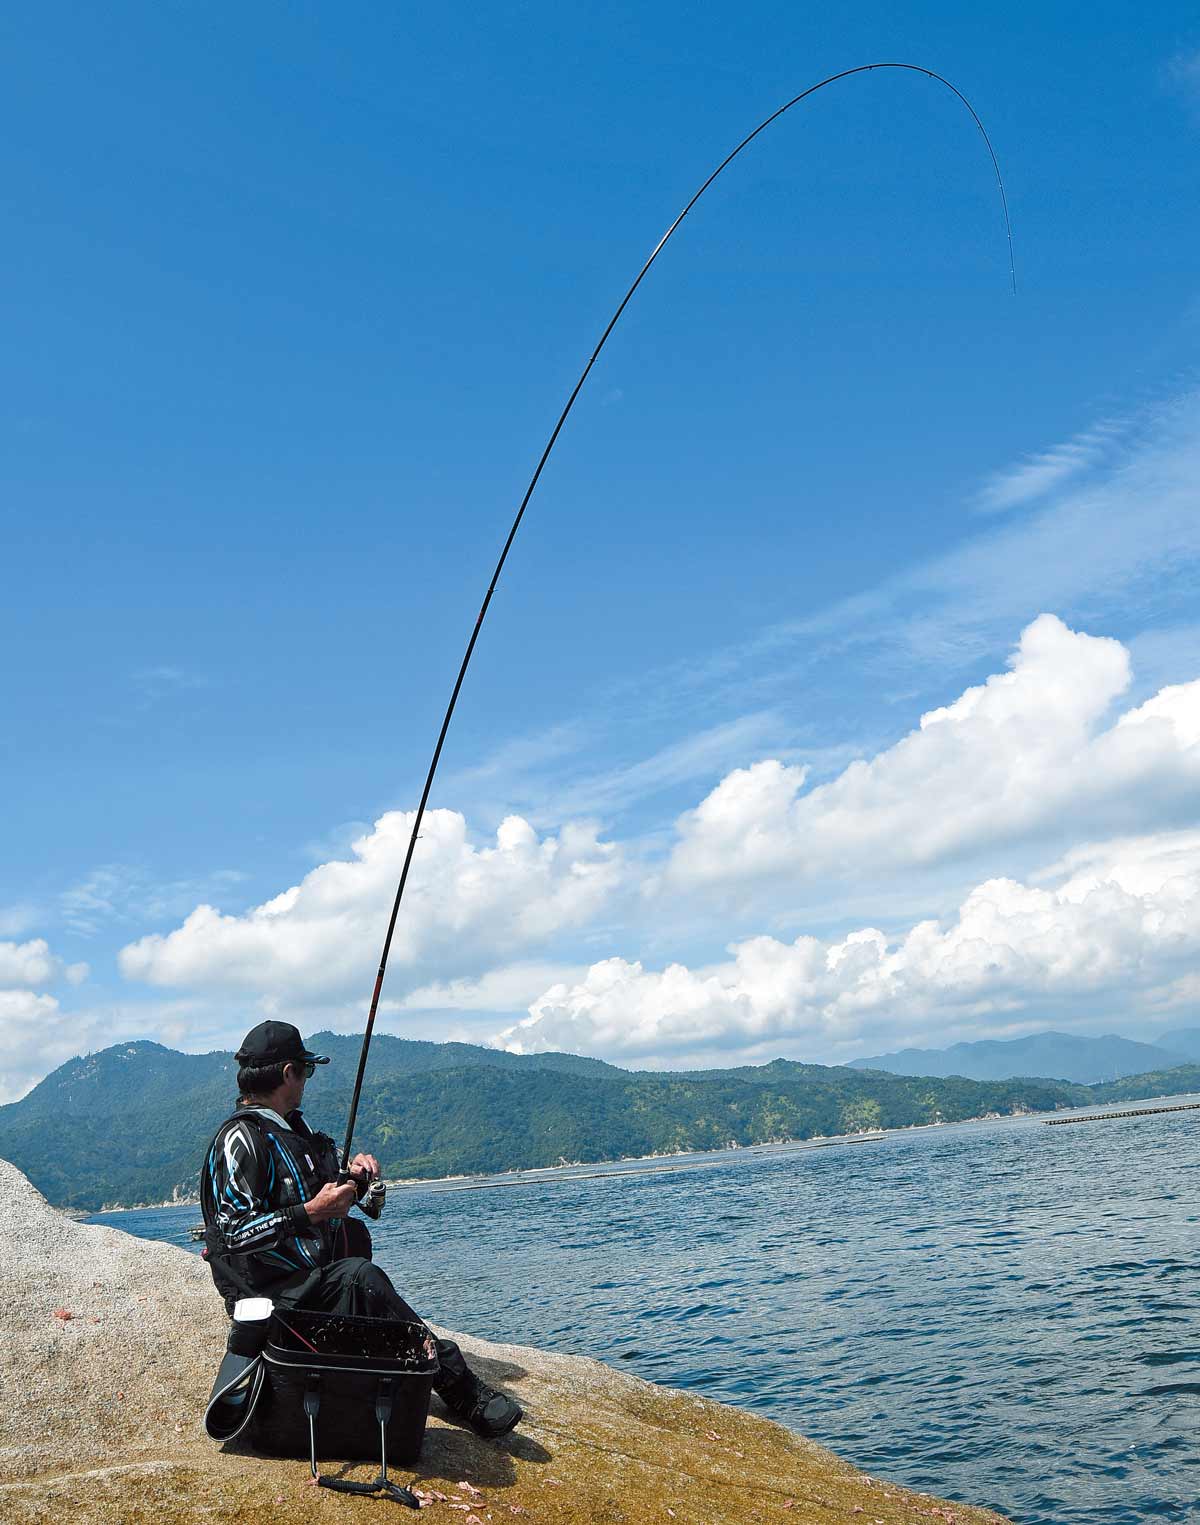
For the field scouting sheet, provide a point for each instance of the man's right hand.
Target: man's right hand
(332, 1201)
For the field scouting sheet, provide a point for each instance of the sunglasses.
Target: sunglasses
(306, 1065)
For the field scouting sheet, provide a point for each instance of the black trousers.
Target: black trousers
(357, 1287)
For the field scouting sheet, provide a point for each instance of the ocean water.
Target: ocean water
(1004, 1313)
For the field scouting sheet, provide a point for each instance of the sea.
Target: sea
(1002, 1312)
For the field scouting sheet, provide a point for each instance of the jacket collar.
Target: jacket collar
(271, 1115)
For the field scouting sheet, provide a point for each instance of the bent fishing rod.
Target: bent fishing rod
(533, 482)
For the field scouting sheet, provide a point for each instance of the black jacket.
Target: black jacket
(259, 1172)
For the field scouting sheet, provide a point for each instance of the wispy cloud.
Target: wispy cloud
(125, 894)
(1039, 474)
(704, 755)
(15, 919)
(1126, 542)
(153, 684)
(1112, 539)
(1183, 71)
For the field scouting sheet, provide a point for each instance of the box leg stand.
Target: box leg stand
(383, 1412)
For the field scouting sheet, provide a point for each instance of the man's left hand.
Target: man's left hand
(364, 1168)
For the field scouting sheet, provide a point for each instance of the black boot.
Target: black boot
(488, 1412)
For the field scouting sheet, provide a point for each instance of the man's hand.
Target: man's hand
(331, 1201)
(364, 1167)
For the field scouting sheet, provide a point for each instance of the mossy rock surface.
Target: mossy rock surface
(100, 1418)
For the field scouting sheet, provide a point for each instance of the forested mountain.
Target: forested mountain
(131, 1124)
(1180, 1080)
(1063, 1056)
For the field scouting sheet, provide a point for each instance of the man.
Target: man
(276, 1218)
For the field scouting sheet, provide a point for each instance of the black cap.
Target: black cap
(275, 1043)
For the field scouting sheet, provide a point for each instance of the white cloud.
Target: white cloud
(1028, 752)
(508, 988)
(1125, 541)
(35, 1035)
(28, 963)
(1119, 937)
(18, 918)
(127, 892)
(700, 756)
(467, 909)
(1040, 474)
(1041, 754)
(34, 1039)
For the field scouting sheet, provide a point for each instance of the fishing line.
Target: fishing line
(533, 482)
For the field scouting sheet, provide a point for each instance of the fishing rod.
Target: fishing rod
(533, 482)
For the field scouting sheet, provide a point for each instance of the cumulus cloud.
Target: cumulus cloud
(29, 963)
(467, 909)
(508, 988)
(35, 1035)
(1118, 936)
(1031, 751)
(33, 1040)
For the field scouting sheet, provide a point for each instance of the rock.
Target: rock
(100, 1418)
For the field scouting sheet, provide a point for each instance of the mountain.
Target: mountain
(131, 1124)
(1065, 1056)
(1184, 1040)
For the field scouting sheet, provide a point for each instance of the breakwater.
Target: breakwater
(1108, 1117)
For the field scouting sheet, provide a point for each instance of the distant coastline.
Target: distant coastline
(573, 1170)
(641, 1164)
(453, 1116)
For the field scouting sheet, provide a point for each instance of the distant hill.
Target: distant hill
(1181, 1080)
(1184, 1040)
(1062, 1056)
(131, 1124)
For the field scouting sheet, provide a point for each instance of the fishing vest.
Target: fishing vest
(303, 1161)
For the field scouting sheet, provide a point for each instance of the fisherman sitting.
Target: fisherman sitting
(276, 1222)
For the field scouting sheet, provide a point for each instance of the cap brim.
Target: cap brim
(315, 1058)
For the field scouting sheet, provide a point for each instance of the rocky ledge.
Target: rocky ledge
(100, 1418)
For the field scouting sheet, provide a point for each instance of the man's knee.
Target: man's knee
(353, 1266)
(365, 1273)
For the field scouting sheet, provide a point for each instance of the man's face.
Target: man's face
(297, 1075)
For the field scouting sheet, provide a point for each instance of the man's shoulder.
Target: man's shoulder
(244, 1120)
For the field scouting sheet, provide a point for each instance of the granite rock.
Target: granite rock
(100, 1418)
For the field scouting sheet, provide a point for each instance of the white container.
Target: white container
(252, 1310)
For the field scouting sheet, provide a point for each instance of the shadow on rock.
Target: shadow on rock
(450, 1452)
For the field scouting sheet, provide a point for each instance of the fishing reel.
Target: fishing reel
(373, 1199)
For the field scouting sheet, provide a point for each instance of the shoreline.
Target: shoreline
(574, 1170)
(646, 1164)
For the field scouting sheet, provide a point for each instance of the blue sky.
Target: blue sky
(292, 300)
